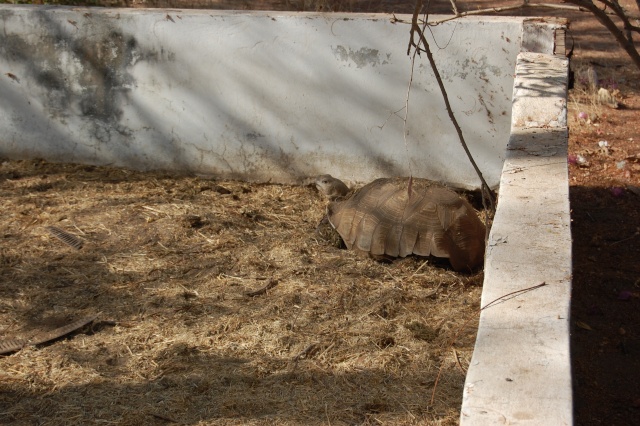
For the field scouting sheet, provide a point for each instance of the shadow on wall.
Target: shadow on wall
(103, 96)
(69, 79)
(88, 80)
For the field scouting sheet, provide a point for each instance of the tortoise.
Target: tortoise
(396, 217)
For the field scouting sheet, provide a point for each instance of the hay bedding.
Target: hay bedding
(218, 304)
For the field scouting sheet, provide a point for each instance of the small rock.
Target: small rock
(607, 98)
(604, 147)
(581, 161)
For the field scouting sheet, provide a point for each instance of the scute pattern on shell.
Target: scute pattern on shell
(383, 218)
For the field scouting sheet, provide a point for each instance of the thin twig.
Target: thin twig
(455, 336)
(422, 265)
(415, 28)
(155, 210)
(457, 358)
(625, 239)
(406, 111)
(603, 15)
(454, 8)
(263, 290)
(605, 19)
(306, 351)
(513, 293)
(493, 10)
(164, 417)
(326, 413)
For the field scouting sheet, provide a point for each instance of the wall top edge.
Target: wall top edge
(264, 13)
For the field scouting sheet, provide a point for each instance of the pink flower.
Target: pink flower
(616, 191)
(624, 295)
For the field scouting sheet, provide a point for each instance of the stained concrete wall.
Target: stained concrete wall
(253, 95)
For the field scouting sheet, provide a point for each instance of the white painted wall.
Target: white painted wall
(254, 95)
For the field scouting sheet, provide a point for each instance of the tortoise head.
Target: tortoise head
(331, 187)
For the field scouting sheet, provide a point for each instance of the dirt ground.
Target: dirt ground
(217, 303)
(168, 262)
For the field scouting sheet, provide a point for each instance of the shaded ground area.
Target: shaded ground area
(605, 201)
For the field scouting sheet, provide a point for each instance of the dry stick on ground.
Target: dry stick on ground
(17, 344)
(263, 290)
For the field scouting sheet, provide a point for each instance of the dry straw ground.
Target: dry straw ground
(170, 263)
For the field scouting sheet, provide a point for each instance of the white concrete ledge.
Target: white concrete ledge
(520, 372)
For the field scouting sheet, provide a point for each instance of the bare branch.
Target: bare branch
(492, 10)
(405, 119)
(617, 33)
(524, 5)
(415, 29)
(604, 15)
(455, 8)
(622, 14)
(414, 23)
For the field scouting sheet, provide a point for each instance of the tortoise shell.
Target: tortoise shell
(401, 216)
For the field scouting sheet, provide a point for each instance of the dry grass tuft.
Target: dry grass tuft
(220, 304)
